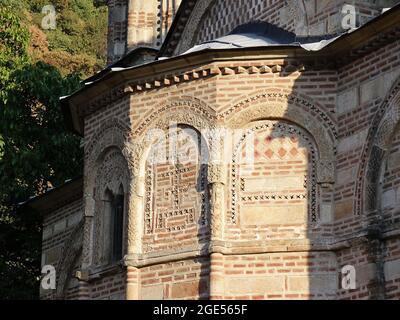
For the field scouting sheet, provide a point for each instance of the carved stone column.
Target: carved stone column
(134, 225)
(134, 240)
(217, 184)
(87, 231)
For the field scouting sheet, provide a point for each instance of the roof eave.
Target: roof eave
(343, 45)
(56, 197)
(114, 78)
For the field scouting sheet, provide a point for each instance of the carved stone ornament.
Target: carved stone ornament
(261, 108)
(216, 173)
(384, 124)
(71, 252)
(325, 171)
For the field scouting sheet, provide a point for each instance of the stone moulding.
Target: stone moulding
(188, 110)
(71, 251)
(384, 125)
(232, 248)
(113, 135)
(294, 109)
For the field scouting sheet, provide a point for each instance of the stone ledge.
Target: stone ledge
(230, 248)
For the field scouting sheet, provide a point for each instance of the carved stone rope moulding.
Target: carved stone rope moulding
(189, 110)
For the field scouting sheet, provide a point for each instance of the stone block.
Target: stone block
(392, 270)
(326, 213)
(321, 283)
(352, 142)
(347, 100)
(264, 285)
(47, 232)
(188, 289)
(394, 160)
(389, 198)
(365, 273)
(273, 184)
(119, 48)
(398, 196)
(372, 89)
(60, 226)
(155, 292)
(74, 219)
(343, 209)
(265, 215)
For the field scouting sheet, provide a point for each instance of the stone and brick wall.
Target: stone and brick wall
(58, 227)
(316, 199)
(186, 279)
(135, 23)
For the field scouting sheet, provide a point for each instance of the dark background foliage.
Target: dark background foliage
(36, 151)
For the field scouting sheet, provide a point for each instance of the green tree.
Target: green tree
(36, 153)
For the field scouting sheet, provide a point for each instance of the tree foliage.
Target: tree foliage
(36, 152)
(78, 44)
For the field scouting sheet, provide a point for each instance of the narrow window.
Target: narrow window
(117, 226)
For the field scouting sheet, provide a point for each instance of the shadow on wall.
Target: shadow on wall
(283, 201)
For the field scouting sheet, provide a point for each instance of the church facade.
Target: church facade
(235, 150)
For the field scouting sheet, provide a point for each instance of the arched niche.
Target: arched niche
(173, 170)
(273, 176)
(376, 151)
(278, 104)
(106, 170)
(112, 176)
